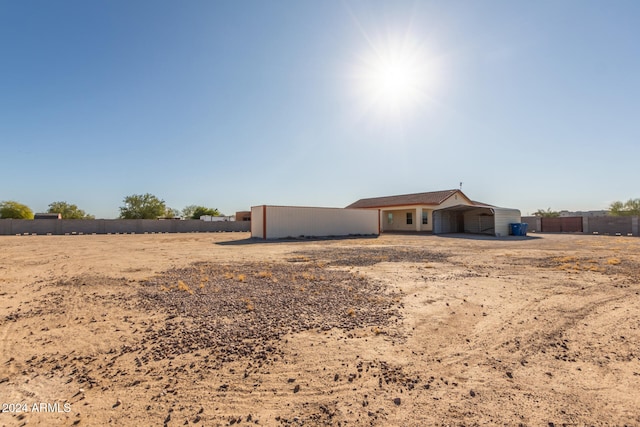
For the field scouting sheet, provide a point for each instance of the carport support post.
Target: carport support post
(418, 218)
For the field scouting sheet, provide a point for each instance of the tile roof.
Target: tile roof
(430, 198)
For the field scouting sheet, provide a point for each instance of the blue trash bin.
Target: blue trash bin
(523, 229)
(516, 228)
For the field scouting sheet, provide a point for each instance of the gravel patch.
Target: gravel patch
(243, 309)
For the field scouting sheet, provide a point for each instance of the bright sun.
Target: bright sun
(393, 79)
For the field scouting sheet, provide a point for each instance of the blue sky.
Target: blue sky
(238, 103)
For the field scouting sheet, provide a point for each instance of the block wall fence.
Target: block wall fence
(607, 225)
(112, 226)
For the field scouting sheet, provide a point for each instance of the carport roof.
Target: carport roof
(464, 208)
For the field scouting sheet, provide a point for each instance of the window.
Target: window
(425, 217)
(409, 218)
(390, 218)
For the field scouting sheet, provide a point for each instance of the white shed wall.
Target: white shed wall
(294, 221)
(504, 217)
(257, 226)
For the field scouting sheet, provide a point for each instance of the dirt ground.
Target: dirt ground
(400, 330)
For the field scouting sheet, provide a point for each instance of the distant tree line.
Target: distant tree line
(136, 206)
(629, 208)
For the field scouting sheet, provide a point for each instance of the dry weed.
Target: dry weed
(248, 304)
(265, 274)
(184, 287)
(308, 276)
(566, 259)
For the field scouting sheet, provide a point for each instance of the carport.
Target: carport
(490, 220)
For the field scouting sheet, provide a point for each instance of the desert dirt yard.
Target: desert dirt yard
(400, 330)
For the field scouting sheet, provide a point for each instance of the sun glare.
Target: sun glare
(394, 78)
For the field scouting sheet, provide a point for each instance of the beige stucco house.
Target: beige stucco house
(412, 212)
(448, 211)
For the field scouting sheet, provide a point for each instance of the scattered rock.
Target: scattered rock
(222, 320)
(397, 401)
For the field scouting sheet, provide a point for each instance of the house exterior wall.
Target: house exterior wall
(399, 220)
(243, 216)
(295, 221)
(454, 200)
(400, 214)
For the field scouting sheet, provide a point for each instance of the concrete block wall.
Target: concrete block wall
(612, 225)
(607, 225)
(112, 226)
(534, 223)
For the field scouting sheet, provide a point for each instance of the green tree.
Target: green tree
(68, 211)
(188, 211)
(546, 214)
(172, 213)
(142, 206)
(629, 208)
(15, 210)
(195, 211)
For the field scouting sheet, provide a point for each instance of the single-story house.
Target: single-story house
(448, 211)
(412, 212)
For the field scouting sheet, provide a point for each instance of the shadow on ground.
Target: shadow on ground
(469, 236)
(254, 240)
